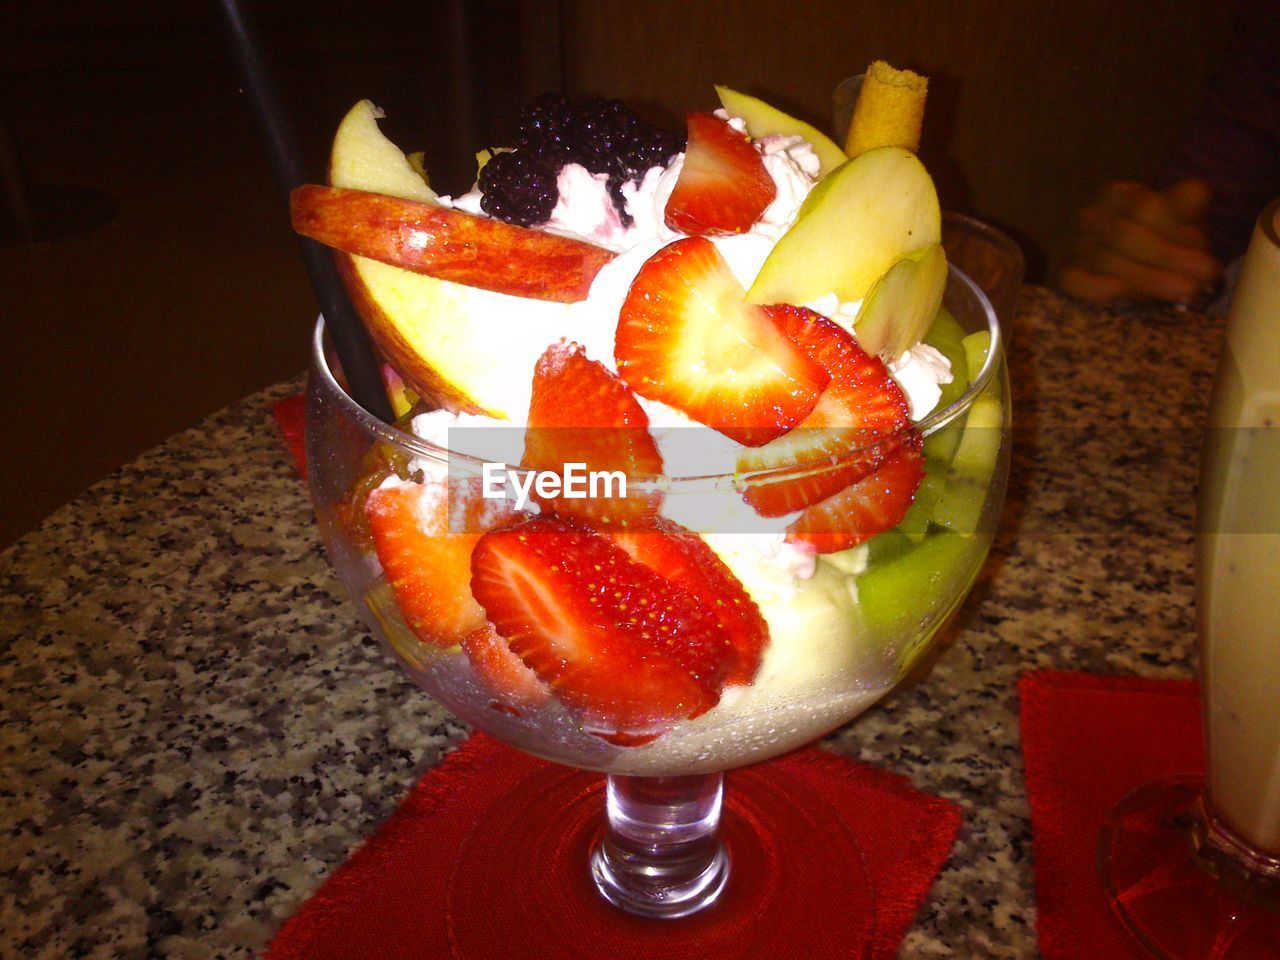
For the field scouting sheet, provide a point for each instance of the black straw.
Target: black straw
(349, 337)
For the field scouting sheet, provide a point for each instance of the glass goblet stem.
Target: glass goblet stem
(661, 854)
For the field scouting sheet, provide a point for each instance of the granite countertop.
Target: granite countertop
(196, 729)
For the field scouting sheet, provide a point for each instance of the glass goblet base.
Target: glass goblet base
(662, 855)
(1181, 883)
(528, 866)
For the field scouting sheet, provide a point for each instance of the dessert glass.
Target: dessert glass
(839, 641)
(1192, 864)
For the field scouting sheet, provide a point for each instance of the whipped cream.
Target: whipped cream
(585, 211)
(468, 434)
(468, 202)
(843, 312)
(920, 372)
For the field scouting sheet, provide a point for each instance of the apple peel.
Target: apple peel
(448, 244)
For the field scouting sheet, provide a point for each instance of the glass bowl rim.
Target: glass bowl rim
(419, 448)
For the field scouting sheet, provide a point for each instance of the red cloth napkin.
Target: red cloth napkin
(1087, 741)
(396, 895)
(290, 414)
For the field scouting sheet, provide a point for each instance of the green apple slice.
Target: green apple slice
(945, 329)
(884, 547)
(915, 524)
(900, 307)
(851, 229)
(911, 594)
(947, 337)
(976, 347)
(763, 120)
(974, 459)
(969, 478)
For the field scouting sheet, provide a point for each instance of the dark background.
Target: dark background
(178, 289)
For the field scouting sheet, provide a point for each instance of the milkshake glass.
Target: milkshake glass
(1239, 560)
(1192, 865)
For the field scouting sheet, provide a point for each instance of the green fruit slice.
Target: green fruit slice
(900, 307)
(887, 546)
(947, 337)
(969, 478)
(763, 120)
(915, 524)
(851, 229)
(910, 595)
(381, 602)
(976, 347)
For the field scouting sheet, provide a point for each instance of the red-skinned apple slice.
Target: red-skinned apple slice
(440, 335)
(448, 244)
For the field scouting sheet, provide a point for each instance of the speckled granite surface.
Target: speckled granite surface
(195, 729)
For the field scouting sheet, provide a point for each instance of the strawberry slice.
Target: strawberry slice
(682, 558)
(516, 688)
(581, 413)
(723, 186)
(855, 425)
(428, 568)
(875, 503)
(687, 337)
(614, 640)
(427, 564)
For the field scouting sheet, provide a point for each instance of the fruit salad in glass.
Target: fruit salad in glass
(701, 441)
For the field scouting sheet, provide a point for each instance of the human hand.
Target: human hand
(1137, 243)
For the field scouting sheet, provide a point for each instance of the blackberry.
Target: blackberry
(519, 187)
(608, 137)
(605, 136)
(652, 149)
(543, 127)
(602, 130)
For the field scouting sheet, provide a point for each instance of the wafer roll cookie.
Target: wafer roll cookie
(889, 111)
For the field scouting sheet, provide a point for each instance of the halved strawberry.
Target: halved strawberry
(682, 558)
(427, 564)
(615, 641)
(854, 426)
(582, 413)
(515, 687)
(723, 186)
(687, 337)
(857, 513)
(429, 569)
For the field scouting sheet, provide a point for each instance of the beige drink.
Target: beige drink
(1239, 555)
